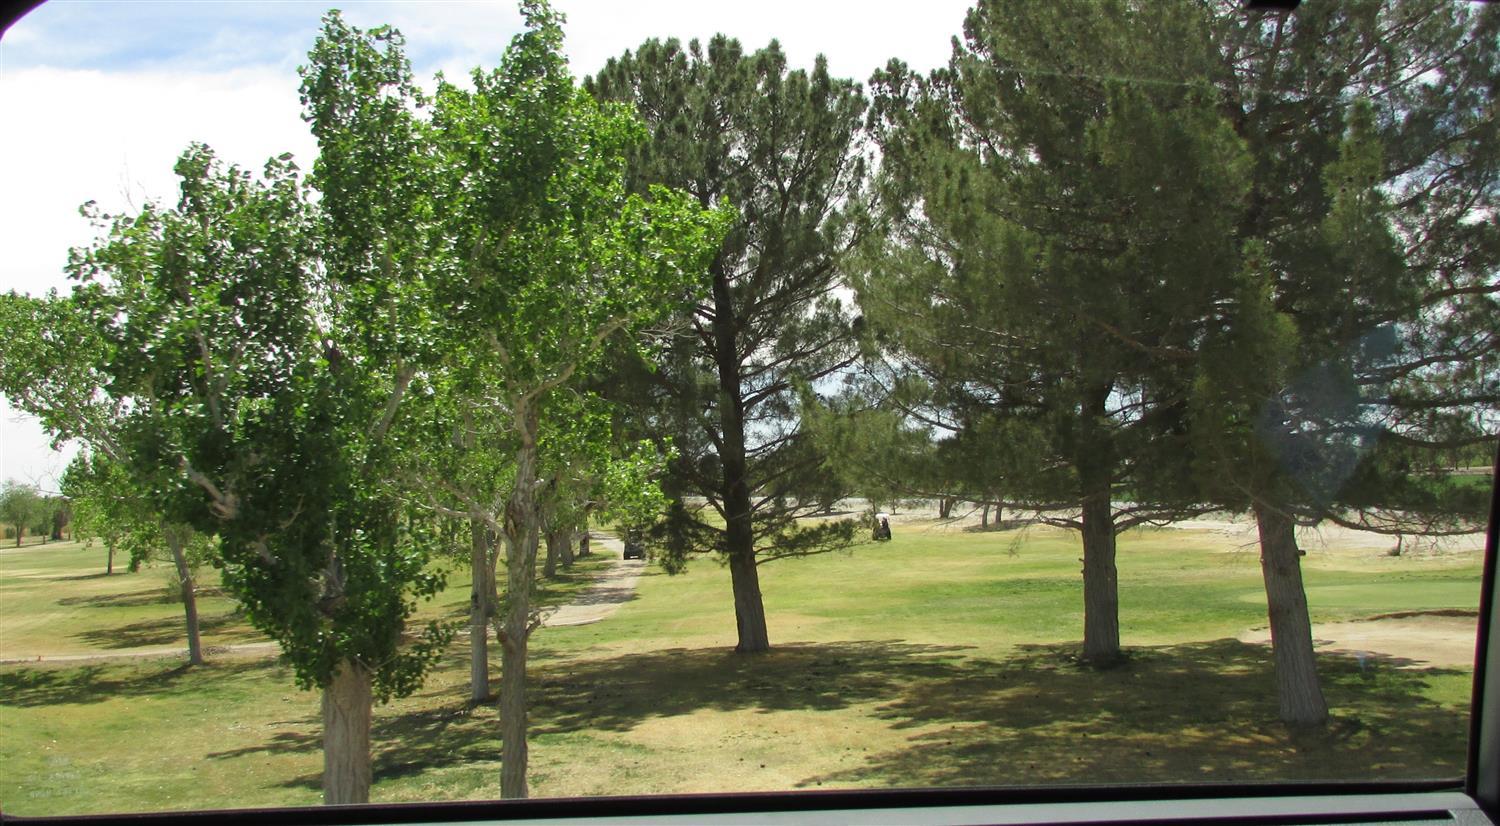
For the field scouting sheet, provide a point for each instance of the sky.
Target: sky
(98, 97)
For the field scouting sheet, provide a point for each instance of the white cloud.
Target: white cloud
(26, 454)
(73, 136)
(77, 134)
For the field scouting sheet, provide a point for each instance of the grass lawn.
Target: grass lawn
(945, 657)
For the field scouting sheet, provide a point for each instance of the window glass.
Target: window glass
(709, 398)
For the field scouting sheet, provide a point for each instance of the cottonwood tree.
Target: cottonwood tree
(19, 506)
(254, 405)
(782, 146)
(52, 365)
(112, 506)
(1368, 290)
(1054, 240)
(545, 262)
(99, 511)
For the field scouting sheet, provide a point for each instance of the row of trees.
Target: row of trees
(1212, 259)
(1113, 266)
(23, 508)
(310, 369)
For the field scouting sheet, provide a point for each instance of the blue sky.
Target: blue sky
(98, 97)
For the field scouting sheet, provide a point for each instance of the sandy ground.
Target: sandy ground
(1239, 529)
(1420, 641)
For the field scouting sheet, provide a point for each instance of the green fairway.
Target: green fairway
(945, 657)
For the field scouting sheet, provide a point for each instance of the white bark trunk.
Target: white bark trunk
(346, 736)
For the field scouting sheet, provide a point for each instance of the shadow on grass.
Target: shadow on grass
(1001, 525)
(32, 686)
(229, 626)
(1199, 712)
(136, 599)
(1196, 712)
(80, 577)
(616, 694)
(283, 742)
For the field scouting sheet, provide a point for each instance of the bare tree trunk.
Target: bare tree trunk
(566, 546)
(1298, 691)
(109, 562)
(984, 515)
(1101, 595)
(176, 537)
(945, 506)
(346, 735)
(749, 608)
(554, 554)
(1101, 598)
(522, 530)
(479, 611)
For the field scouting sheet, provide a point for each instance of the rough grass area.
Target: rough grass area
(945, 657)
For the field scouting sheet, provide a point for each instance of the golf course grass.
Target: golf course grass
(944, 657)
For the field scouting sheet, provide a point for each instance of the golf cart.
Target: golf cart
(635, 548)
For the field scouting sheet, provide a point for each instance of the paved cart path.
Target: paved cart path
(615, 587)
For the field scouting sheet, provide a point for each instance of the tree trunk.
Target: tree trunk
(346, 735)
(549, 567)
(739, 532)
(109, 561)
(984, 515)
(945, 506)
(522, 532)
(749, 610)
(479, 611)
(1300, 696)
(1101, 596)
(176, 537)
(567, 549)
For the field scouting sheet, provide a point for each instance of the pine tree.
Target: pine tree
(783, 147)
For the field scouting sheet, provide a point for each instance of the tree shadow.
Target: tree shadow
(997, 525)
(451, 732)
(619, 693)
(135, 599)
(1199, 712)
(604, 595)
(62, 684)
(283, 742)
(230, 626)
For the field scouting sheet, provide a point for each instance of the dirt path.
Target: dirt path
(1430, 640)
(615, 587)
